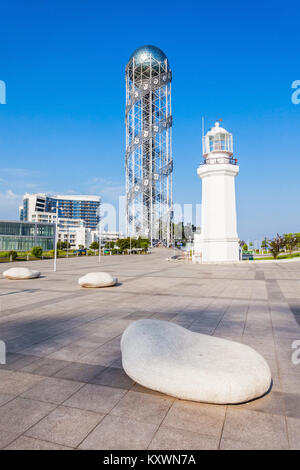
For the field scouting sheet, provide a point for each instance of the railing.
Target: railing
(214, 161)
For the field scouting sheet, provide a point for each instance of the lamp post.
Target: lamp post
(55, 238)
(67, 241)
(99, 236)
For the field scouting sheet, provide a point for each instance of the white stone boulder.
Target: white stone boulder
(168, 358)
(21, 273)
(99, 279)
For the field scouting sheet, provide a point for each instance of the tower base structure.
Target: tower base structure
(219, 239)
(220, 250)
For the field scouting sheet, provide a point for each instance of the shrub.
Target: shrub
(37, 251)
(63, 245)
(143, 243)
(12, 254)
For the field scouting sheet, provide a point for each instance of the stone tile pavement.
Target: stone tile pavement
(63, 386)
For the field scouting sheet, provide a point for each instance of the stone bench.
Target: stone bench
(21, 273)
(168, 358)
(97, 279)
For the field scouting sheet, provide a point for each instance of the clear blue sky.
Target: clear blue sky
(62, 129)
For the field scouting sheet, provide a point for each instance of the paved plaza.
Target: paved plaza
(63, 386)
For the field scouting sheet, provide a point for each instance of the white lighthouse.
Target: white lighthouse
(219, 239)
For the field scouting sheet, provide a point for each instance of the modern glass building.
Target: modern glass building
(23, 236)
(80, 207)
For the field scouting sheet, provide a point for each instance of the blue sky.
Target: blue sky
(62, 129)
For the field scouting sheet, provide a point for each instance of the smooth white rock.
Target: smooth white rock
(21, 273)
(99, 279)
(168, 358)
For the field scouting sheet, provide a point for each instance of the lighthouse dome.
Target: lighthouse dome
(217, 129)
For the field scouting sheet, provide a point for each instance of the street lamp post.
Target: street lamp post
(99, 236)
(67, 241)
(55, 238)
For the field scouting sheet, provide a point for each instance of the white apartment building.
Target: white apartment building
(78, 216)
(76, 236)
(105, 236)
(78, 207)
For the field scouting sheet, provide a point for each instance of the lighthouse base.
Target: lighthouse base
(220, 250)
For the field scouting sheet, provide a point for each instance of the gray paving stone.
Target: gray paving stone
(19, 414)
(294, 433)
(65, 426)
(196, 417)
(292, 405)
(45, 366)
(113, 377)
(28, 443)
(120, 433)
(168, 438)
(96, 398)
(18, 361)
(290, 383)
(273, 402)
(5, 397)
(15, 383)
(254, 430)
(53, 390)
(6, 437)
(143, 407)
(80, 372)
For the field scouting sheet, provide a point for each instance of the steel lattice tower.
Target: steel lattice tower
(149, 164)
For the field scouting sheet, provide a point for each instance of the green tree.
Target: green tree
(188, 231)
(291, 241)
(276, 245)
(37, 251)
(245, 247)
(94, 246)
(298, 239)
(264, 244)
(123, 244)
(110, 245)
(178, 230)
